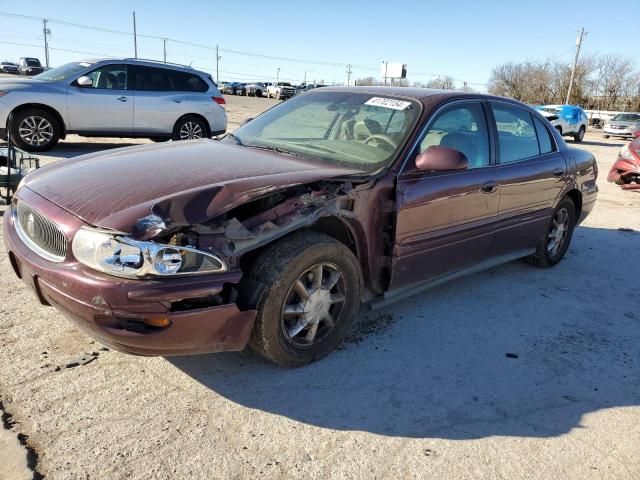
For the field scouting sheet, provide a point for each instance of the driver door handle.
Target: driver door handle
(489, 187)
(123, 99)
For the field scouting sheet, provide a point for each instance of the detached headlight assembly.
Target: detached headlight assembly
(124, 257)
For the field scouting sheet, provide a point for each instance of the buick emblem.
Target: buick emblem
(31, 225)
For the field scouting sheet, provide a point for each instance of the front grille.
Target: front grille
(40, 234)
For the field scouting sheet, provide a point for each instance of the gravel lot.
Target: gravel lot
(424, 389)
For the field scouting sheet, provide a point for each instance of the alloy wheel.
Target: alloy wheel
(314, 305)
(35, 131)
(190, 130)
(558, 233)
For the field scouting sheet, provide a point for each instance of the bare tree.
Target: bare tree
(444, 83)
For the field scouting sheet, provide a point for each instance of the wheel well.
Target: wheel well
(330, 226)
(576, 197)
(51, 110)
(197, 115)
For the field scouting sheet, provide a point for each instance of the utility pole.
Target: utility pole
(135, 36)
(386, 64)
(277, 76)
(218, 57)
(164, 49)
(349, 72)
(46, 32)
(575, 63)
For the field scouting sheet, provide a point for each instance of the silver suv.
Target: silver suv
(114, 98)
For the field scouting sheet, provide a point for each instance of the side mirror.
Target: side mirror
(636, 134)
(84, 81)
(246, 120)
(441, 159)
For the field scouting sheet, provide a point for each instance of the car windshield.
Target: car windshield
(62, 72)
(32, 62)
(348, 129)
(626, 117)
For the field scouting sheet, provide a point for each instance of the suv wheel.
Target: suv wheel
(578, 137)
(312, 295)
(34, 130)
(557, 237)
(258, 93)
(189, 128)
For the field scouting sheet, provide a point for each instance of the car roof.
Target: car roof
(144, 62)
(410, 92)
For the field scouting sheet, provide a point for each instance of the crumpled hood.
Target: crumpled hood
(183, 182)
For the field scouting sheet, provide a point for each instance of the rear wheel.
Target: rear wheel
(606, 136)
(35, 130)
(557, 237)
(578, 137)
(312, 294)
(258, 93)
(189, 127)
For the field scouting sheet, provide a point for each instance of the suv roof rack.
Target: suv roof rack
(161, 62)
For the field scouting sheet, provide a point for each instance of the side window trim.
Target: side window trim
(405, 169)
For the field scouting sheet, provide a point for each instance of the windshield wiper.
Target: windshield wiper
(236, 139)
(274, 149)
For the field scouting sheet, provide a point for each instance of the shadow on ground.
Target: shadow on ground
(515, 351)
(598, 144)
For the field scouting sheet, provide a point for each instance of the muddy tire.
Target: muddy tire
(311, 296)
(34, 130)
(557, 237)
(578, 137)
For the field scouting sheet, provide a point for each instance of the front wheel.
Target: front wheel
(312, 293)
(578, 137)
(258, 93)
(557, 237)
(606, 136)
(189, 127)
(34, 130)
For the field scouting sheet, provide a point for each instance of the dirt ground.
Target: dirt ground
(513, 373)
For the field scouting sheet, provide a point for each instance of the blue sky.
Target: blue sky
(462, 38)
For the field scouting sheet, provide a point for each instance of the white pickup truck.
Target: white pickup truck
(280, 90)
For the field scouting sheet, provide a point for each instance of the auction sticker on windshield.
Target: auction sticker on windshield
(387, 103)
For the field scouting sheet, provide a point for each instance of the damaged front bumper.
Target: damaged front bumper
(197, 314)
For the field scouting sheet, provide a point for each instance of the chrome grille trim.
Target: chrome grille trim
(39, 233)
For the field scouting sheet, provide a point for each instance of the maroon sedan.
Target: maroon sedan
(275, 235)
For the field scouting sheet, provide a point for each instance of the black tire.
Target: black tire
(190, 123)
(544, 257)
(258, 93)
(279, 267)
(36, 117)
(578, 137)
(606, 136)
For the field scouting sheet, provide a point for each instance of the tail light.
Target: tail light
(219, 100)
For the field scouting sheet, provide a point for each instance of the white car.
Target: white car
(111, 98)
(569, 120)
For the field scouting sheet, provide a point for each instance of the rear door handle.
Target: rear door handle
(489, 187)
(558, 172)
(123, 99)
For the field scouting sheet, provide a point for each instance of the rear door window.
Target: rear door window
(150, 79)
(517, 137)
(187, 82)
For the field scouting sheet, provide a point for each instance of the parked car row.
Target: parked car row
(25, 66)
(281, 90)
(114, 98)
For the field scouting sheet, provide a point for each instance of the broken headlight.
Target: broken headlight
(121, 256)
